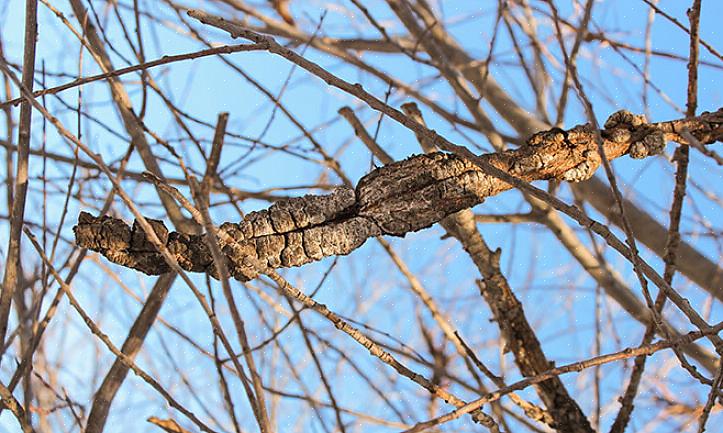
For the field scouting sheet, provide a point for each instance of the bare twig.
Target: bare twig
(13, 270)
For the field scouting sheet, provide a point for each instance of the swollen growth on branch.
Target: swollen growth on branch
(402, 197)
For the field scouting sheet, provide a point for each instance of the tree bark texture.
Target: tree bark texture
(396, 199)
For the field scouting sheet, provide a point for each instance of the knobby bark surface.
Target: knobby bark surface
(396, 199)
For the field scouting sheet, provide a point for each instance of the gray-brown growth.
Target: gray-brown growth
(393, 200)
(396, 199)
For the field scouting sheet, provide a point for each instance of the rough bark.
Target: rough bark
(690, 262)
(517, 332)
(564, 413)
(398, 198)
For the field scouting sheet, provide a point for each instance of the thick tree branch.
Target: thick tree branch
(398, 198)
(508, 312)
(694, 266)
(113, 380)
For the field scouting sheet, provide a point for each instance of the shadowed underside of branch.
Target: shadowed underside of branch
(396, 199)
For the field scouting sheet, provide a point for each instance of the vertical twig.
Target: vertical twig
(17, 215)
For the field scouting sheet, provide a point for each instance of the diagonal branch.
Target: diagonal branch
(691, 263)
(508, 312)
(115, 377)
(697, 267)
(396, 199)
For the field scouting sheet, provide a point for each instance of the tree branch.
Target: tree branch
(396, 199)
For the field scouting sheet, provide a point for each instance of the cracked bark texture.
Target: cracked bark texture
(518, 334)
(396, 199)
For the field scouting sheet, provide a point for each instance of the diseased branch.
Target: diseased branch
(466, 235)
(396, 199)
(517, 117)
